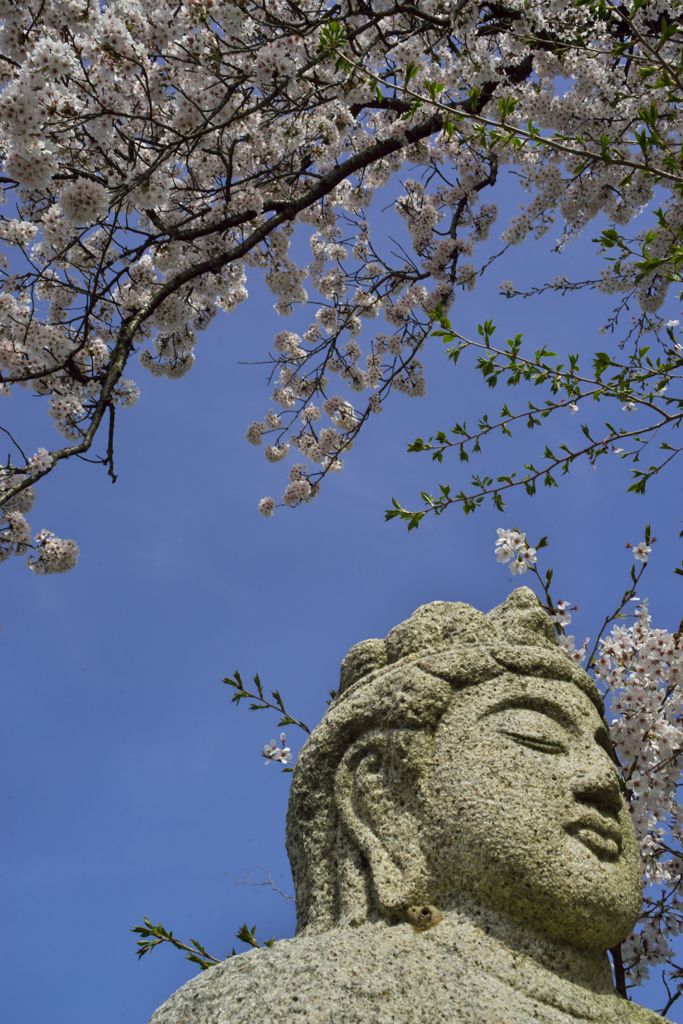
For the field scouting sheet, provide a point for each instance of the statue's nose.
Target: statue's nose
(597, 784)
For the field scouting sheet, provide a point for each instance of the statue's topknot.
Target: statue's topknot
(516, 634)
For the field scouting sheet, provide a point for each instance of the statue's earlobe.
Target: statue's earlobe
(376, 798)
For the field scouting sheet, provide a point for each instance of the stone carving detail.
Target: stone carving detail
(460, 846)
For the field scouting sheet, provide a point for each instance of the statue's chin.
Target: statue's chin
(594, 926)
(596, 932)
(573, 916)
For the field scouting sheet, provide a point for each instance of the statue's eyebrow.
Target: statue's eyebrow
(545, 705)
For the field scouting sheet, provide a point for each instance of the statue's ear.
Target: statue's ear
(377, 798)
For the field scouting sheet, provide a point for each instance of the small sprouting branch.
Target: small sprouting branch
(248, 936)
(642, 382)
(155, 934)
(259, 701)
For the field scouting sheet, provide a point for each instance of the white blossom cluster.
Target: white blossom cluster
(568, 643)
(562, 617)
(273, 752)
(154, 154)
(642, 668)
(48, 553)
(512, 547)
(54, 554)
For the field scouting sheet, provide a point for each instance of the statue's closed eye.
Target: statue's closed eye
(541, 743)
(532, 728)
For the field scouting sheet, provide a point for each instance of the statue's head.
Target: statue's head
(465, 758)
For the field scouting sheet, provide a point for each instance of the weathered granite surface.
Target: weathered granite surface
(460, 846)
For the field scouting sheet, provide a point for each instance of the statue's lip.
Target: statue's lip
(602, 835)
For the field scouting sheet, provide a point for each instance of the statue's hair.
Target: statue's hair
(445, 646)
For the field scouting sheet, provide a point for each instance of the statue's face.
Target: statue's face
(524, 812)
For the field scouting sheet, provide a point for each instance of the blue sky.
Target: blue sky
(132, 785)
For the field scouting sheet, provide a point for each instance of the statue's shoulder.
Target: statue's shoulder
(300, 977)
(238, 989)
(370, 974)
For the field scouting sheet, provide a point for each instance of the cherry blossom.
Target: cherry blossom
(641, 551)
(512, 547)
(562, 615)
(281, 753)
(266, 506)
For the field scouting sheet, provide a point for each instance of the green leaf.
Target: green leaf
(410, 72)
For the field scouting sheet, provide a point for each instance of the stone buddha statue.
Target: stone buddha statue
(460, 845)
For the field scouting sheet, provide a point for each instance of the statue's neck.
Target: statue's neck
(551, 972)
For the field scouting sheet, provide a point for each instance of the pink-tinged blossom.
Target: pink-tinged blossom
(54, 554)
(512, 547)
(271, 421)
(508, 544)
(569, 646)
(254, 433)
(641, 551)
(273, 752)
(296, 492)
(276, 452)
(84, 201)
(562, 615)
(266, 506)
(40, 462)
(15, 538)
